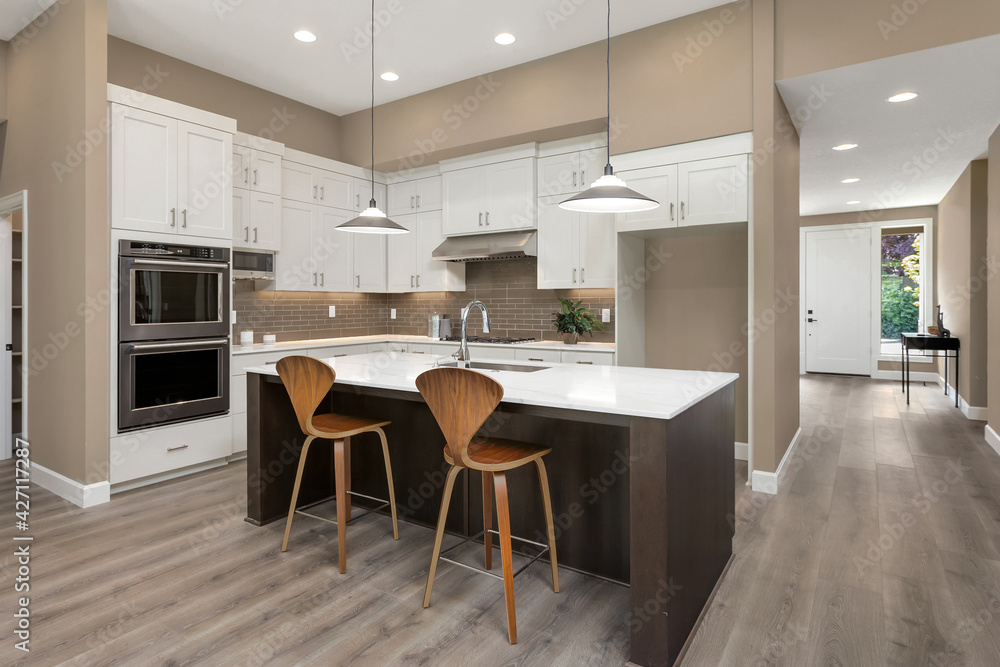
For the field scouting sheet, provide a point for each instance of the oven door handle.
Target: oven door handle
(190, 343)
(179, 263)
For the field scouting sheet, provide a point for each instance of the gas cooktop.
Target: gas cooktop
(486, 339)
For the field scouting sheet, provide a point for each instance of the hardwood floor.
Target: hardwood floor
(882, 549)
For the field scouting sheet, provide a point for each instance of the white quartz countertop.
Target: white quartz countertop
(619, 390)
(398, 338)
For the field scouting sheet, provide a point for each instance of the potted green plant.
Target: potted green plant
(572, 320)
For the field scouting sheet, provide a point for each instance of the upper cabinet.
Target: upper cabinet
(569, 173)
(412, 267)
(489, 198)
(575, 250)
(170, 175)
(256, 220)
(256, 170)
(363, 195)
(659, 183)
(419, 195)
(306, 183)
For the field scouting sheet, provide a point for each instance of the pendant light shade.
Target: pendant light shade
(609, 194)
(372, 220)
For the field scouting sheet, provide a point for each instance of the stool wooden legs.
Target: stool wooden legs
(295, 491)
(488, 517)
(388, 476)
(340, 479)
(543, 479)
(449, 484)
(506, 555)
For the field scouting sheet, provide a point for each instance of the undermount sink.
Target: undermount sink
(490, 366)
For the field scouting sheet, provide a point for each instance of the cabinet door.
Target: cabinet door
(659, 183)
(265, 221)
(265, 172)
(592, 162)
(336, 190)
(298, 182)
(334, 251)
(241, 218)
(464, 194)
(204, 185)
(511, 196)
(559, 174)
(402, 256)
(558, 245)
(713, 191)
(363, 195)
(369, 262)
(598, 250)
(241, 167)
(143, 170)
(434, 275)
(402, 199)
(428, 191)
(294, 267)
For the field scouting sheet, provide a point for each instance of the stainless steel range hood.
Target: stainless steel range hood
(484, 247)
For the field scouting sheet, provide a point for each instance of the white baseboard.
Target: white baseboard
(742, 451)
(914, 377)
(770, 482)
(970, 412)
(167, 476)
(81, 495)
(993, 439)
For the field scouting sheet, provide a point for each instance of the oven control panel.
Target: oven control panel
(152, 249)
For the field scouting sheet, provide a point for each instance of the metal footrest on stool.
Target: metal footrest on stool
(350, 519)
(544, 547)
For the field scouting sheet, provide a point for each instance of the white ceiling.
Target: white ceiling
(909, 154)
(430, 43)
(15, 14)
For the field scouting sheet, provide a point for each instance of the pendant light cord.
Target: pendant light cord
(607, 68)
(373, 101)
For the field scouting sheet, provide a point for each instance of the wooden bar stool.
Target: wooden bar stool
(461, 401)
(308, 381)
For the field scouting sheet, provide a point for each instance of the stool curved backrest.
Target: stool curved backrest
(307, 381)
(461, 401)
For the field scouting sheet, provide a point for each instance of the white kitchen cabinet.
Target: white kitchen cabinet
(369, 261)
(336, 190)
(588, 358)
(363, 195)
(532, 354)
(161, 450)
(412, 267)
(490, 198)
(659, 183)
(334, 251)
(297, 182)
(423, 194)
(335, 351)
(713, 191)
(256, 220)
(305, 183)
(169, 175)
(241, 167)
(569, 173)
(575, 250)
(256, 170)
(295, 267)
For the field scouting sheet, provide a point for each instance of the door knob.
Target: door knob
(811, 320)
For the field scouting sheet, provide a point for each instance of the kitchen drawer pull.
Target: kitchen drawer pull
(586, 363)
(340, 355)
(418, 352)
(255, 177)
(270, 363)
(184, 218)
(246, 175)
(412, 200)
(574, 179)
(357, 200)
(411, 282)
(315, 190)
(322, 277)
(418, 280)
(174, 449)
(583, 177)
(322, 192)
(671, 211)
(357, 281)
(480, 218)
(682, 210)
(487, 218)
(574, 276)
(314, 280)
(246, 234)
(534, 359)
(418, 201)
(173, 217)
(583, 271)
(254, 234)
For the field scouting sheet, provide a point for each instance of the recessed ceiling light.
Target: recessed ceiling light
(850, 180)
(903, 97)
(305, 36)
(845, 147)
(390, 76)
(504, 39)
(853, 202)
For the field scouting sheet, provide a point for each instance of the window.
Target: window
(902, 282)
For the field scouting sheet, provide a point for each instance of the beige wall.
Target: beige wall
(993, 293)
(257, 111)
(818, 35)
(961, 238)
(654, 101)
(57, 92)
(4, 47)
(696, 308)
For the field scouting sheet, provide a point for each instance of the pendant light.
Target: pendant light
(608, 194)
(372, 220)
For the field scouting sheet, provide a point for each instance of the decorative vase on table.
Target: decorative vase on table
(572, 320)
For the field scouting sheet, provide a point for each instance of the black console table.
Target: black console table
(925, 342)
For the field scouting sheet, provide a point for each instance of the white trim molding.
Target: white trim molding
(81, 495)
(770, 482)
(881, 374)
(993, 439)
(970, 412)
(742, 451)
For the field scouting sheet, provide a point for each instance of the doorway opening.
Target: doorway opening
(13, 321)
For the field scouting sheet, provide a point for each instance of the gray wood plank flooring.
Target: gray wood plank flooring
(883, 548)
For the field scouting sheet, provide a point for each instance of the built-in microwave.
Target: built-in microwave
(250, 265)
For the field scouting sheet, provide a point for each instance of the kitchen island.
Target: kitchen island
(641, 471)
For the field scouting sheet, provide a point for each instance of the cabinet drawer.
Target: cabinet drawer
(337, 351)
(588, 358)
(548, 356)
(396, 348)
(239, 433)
(145, 453)
(241, 362)
(486, 352)
(238, 393)
(375, 348)
(429, 348)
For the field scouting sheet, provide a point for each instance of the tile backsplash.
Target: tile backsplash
(507, 287)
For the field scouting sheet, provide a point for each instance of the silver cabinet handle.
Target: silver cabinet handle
(357, 281)
(246, 234)
(574, 276)
(255, 177)
(418, 201)
(682, 210)
(480, 218)
(254, 234)
(246, 175)
(574, 179)
(357, 200)
(340, 355)
(412, 199)
(322, 280)
(314, 279)
(174, 449)
(418, 280)
(173, 217)
(583, 176)
(184, 218)
(315, 190)
(671, 211)
(586, 363)
(582, 278)
(411, 282)
(418, 352)
(487, 218)
(322, 193)
(534, 359)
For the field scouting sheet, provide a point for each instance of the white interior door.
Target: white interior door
(838, 301)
